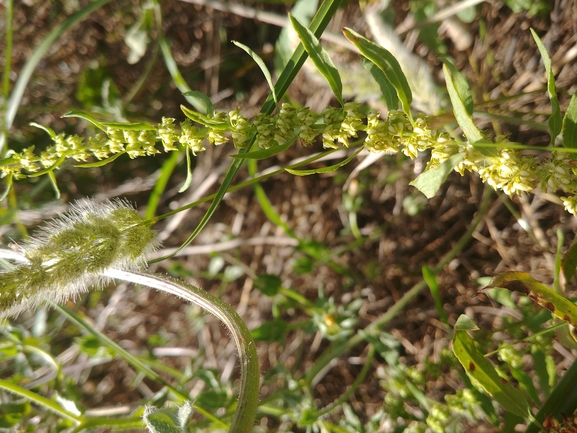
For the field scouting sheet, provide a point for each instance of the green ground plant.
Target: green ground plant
(97, 243)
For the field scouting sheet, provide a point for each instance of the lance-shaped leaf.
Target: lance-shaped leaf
(387, 89)
(320, 58)
(431, 179)
(540, 293)
(570, 124)
(257, 59)
(555, 118)
(480, 368)
(462, 104)
(387, 63)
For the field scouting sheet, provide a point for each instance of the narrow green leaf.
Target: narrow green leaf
(54, 184)
(266, 153)
(188, 180)
(262, 67)
(197, 102)
(541, 294)
(387, 63)
(320, 58)
(199, 95)
(431, 280)
(464, 119)
(570, 124)
(554, 121)
(48, 169)
(481, 369)
(388, 91)
(47, 129)
(130, 126)
(569, 262)
(526, 383)
(429, 181)
(204, 120)
(324, 169)
(100, 163)
(318, 24)
(462, 87)
(9, 182)
(561, 401)
(85, 116)
(166, 171)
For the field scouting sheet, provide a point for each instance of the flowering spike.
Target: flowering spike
(73, 252)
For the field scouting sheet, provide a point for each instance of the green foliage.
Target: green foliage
(96, 243)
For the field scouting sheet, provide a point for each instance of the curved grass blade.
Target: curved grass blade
(177, 78)
(387, 63)
(318, 24)
(85, 116)
(429, 181)
(480, 368)
(320, 58)
(554, 121)
(262, 67)
(204, 120)
(46, 129)
(204, 98)
(460, 103)
(324, 169)
(188, 180)
(32, 62)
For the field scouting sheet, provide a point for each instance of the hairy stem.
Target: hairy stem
(250, 372)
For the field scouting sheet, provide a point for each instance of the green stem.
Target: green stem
(131, 359)
(360, 379)
(250, 371)
(318, 24)
(337, 349)
(38, 399)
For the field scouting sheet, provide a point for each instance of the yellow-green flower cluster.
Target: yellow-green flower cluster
(506, 169)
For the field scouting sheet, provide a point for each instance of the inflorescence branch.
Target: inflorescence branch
(503, 165)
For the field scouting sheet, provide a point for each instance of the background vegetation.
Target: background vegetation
(350, 280)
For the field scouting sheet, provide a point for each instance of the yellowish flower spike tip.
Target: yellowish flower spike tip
(73, 252)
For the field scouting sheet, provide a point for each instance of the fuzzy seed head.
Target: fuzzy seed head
(70, 254)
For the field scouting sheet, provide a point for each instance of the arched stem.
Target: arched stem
(249, 367)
